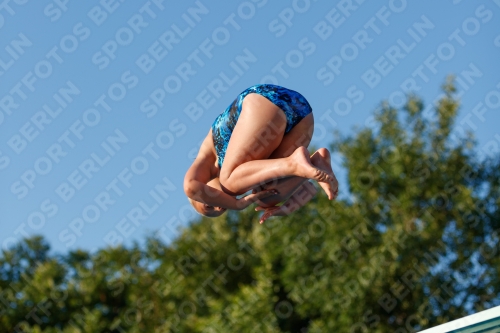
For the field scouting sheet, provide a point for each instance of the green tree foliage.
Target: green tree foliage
(413, 245)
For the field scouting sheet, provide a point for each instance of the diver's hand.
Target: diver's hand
(302, 196)
(270, 211)
(246, 201)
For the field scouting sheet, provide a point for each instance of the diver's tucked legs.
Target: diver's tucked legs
(259, 131)
(287, 186)
(300, 135)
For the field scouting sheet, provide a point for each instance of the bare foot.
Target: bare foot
(304, 168)
(321, 160)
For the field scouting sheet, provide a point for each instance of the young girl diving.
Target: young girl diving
(261, 138)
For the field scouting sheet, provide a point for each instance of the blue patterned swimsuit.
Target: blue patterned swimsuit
(291, 102)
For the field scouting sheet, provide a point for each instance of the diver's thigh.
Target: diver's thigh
(258, 132)
(300, 135)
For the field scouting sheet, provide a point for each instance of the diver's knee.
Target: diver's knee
(227, 189)
(224, 177)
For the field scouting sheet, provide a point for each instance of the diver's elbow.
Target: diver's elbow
(191, 188)
(188, 187)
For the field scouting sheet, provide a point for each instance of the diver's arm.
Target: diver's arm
(201, 172)
(201, 192)
(196, 188)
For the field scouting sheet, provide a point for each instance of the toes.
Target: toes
(323, 176)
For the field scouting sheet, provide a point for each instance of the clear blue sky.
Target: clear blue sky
(102, 105)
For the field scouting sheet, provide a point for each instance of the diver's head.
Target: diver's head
(206, 210)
